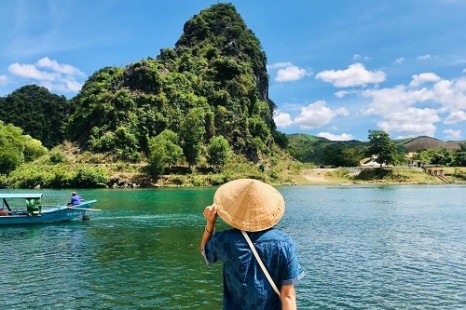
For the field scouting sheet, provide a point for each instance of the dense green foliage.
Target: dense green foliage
(16, 148)
(217, 69)
(382, 147)
(37, 112)
(192, 133)
(443, 157)
(61, 175)
(217, 152)
(164, 151)
(321, 151)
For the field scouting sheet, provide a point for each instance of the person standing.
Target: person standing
(252, 208)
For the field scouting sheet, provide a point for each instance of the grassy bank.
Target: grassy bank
(66, 167)
(397, 175)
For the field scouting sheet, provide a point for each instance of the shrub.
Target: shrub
(57, 157)
(88, 177)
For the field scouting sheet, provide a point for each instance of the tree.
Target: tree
(217, 151)
(16, 148)
(381, 146)
(460, 155)
(37, 112)
(163, 151)
(192, 134)
(33, 148)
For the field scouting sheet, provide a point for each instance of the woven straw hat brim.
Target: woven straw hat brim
(249, 204)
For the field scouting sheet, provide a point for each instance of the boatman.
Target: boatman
(75, 199)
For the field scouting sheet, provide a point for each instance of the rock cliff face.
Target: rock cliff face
(224, 29)
(216, 65)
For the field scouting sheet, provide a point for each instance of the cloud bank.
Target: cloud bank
(50, 74)
(415, 108)
(355, 75)
(288, 72)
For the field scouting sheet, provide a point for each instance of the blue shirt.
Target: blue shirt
(244, 283)
(75, 200)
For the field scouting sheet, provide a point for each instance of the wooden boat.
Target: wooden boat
(34, 212)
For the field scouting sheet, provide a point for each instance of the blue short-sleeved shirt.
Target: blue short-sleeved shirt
(244, 283)
(75, 200)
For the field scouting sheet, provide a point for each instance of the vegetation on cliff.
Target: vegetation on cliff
(213, 83)
(39, 113)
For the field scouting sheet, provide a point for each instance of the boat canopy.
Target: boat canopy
(21, 195)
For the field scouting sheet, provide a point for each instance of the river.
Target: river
(362, 247)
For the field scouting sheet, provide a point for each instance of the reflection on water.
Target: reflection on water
(395, 247)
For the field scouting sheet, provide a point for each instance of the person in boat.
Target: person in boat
(252, 208)
(75, 199)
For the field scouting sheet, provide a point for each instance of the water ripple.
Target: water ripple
(361, 248)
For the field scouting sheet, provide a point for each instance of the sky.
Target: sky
(337, 69)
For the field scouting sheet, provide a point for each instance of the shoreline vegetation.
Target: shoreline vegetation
(67, 167)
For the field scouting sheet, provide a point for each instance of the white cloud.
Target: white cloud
(290, 73)
(50, 74)
(316, 115)
(398, 98)
(359, 57)
(282, 120)
(451, 94)
(3, 80)
(455, 117)
(424, 57)
(57, 67)
(411, 121)
(343, 93)
(333, 137)
(279, 65)
(419, 79)
(403, 108)
(30, 72)
(355, 75)
(399, 60)
(452, 134)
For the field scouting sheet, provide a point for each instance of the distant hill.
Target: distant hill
(312, 149)
(309, 148)
(425, 143)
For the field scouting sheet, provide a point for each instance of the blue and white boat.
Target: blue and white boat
(32, 211)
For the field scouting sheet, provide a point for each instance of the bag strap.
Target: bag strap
(261, 264)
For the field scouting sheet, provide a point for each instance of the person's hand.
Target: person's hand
(210, 213)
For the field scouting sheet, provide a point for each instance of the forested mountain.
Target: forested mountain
(212, 83)
(312, 149)
(425, 143)
(37, 112)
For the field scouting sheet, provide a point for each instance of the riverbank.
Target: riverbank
(306, 176)
(86, 170)
(398, 175)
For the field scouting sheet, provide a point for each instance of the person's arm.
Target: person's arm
(210, 213)
(288, 297)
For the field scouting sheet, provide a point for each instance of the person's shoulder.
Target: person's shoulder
(275, 234)
(227, 234)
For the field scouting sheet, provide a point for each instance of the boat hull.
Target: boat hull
(49, 215)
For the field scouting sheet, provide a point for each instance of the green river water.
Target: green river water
(362, 247)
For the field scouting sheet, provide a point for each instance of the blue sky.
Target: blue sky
(337, 68)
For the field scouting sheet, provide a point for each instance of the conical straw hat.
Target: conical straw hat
(249, 205)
